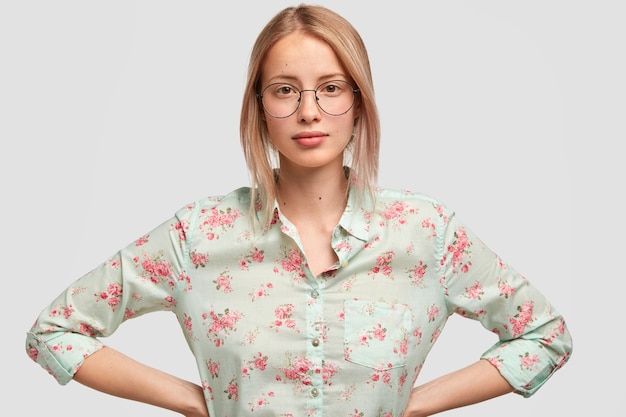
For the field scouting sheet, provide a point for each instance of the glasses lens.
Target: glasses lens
(280, 99)
(333, 97)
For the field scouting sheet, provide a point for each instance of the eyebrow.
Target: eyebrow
(294, 79)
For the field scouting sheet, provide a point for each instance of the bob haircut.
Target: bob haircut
(361, 155)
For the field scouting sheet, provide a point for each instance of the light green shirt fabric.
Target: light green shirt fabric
(270, 338)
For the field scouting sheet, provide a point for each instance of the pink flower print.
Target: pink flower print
(284, 317)
(383, 265)
(329, 370)
(346, 394)
(206, 387)
(432, 312)
(213, 368)
(183, 277)
(291, 263)
(435, 336)
(458, 250)
(148, 265)
(221, 325)
(506, 290)
(496, 362)
(528, 361)
(199, 259)
(142, 240)
(417, 273)
(522, 319)
(428, 224)
(260, 361)
(114, 290)
(402, 380)
(386, 378)
(379, 332)
(129, 314)
(188, 324)
(250, 337)
(162, 268)
(418, 334)
(341, 315)
(218, 219)
(33, 353)
(112, 295)
(396, 213)
(255, 256)
(403, 347)
(284, 311)
(170, 301)
(67, 312)
(232, 390)
(381, 374)
(260, 402)
(86, 329)
(182, 228)
(155, 269)
(262, 291)
(222, 282)
(475, 291)
(440, 210)
(343, 246)
(297, 369)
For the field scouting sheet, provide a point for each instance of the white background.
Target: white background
(115, 114)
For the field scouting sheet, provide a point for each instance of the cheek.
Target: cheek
(276, 128)
(271, 126)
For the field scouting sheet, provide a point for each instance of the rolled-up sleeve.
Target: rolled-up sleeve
(533, 339)
(140, 278)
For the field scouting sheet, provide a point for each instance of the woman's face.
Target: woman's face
(309, 138)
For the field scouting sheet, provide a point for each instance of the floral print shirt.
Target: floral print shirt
(269, 338)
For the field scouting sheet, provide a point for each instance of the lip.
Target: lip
(308, 135)
(309, 139)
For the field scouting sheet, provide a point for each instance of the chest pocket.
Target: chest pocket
(376, 334)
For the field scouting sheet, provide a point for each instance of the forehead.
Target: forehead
(300, 57)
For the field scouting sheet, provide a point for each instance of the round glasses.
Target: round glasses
(334, 97)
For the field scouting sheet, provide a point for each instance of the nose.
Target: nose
(308, 110)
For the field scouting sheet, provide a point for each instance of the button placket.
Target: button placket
(315, 352)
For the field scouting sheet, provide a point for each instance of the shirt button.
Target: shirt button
(315, 342)
(315, 392)
(315, 294)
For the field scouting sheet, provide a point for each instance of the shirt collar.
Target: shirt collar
(355, 218)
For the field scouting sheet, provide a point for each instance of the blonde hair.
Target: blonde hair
(347, 44)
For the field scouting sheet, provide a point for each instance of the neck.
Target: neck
(318, 195)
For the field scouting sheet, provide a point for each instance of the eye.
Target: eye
(332, 88)
(284, 90)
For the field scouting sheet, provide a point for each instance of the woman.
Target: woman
(312, 292)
